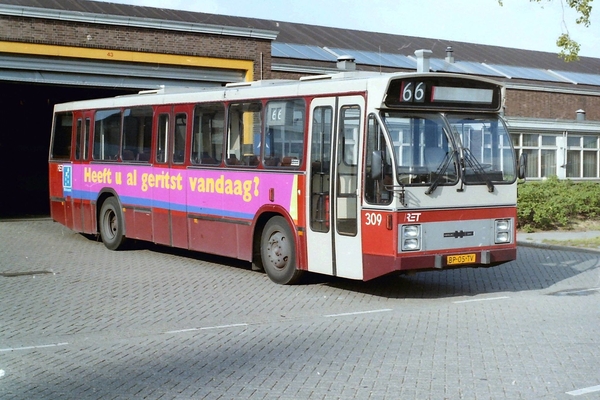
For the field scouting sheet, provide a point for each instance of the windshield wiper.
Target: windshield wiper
(441, 171)
(477, 169)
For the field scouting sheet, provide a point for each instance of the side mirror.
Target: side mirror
(522, 166)
(376, 164)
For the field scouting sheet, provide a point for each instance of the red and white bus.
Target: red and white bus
(354, 174)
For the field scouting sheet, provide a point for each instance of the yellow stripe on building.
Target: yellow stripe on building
(128, 56)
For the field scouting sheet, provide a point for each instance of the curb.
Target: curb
(526, 243)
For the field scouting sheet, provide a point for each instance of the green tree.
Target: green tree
(569, 47)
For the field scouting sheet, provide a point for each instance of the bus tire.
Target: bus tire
(111, 224)
(278, 252)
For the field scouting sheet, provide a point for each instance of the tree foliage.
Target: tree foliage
(569, 47)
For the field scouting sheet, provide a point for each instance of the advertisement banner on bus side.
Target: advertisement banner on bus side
(237, 194)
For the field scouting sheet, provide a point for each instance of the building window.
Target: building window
(582, 156)
(541, 150)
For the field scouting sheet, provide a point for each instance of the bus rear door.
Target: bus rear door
(333, 234)
(84, 219)
(169, 197)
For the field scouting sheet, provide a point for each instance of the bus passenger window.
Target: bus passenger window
(243, 145)
(61, 136)
(207, 134)
(107, 134)
(284, 133)
(137, 134)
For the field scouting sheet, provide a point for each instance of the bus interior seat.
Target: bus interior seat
(289, 161)
(127, 155)
(233, 160)
(208, 159)
(272, 162)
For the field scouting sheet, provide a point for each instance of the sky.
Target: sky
(518, 23)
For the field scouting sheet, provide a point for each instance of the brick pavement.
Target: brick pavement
(161, 324)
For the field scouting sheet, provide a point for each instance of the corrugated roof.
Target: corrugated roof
(321, 36)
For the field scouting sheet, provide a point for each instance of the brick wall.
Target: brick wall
(551, 105)
(65, 33)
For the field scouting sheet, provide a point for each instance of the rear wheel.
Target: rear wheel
(111, 224)
(278, 252)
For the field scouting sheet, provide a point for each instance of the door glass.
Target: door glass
(179, 138)
(163, 134)
(347, 170)
(79, 139)
(320, 164)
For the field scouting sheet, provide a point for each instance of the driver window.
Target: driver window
(378, 184)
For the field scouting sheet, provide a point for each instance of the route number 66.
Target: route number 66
(413, 92)
(373, 219)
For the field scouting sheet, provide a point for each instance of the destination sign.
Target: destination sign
(443, 93)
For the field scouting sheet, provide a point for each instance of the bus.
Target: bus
(352, 174)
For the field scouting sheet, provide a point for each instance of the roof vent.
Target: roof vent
(449, 56)
(580, 115)
(423, 57)
(346, 63)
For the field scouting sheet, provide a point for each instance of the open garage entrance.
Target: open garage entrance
(30, 86)
(26, 115)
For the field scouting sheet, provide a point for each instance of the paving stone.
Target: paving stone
(158, 323)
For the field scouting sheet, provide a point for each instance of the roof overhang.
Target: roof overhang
(551, 125)
(82, 72)
(136, 22)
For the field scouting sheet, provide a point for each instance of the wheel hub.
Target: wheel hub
(279, 250)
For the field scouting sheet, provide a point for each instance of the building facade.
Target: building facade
(51, 53)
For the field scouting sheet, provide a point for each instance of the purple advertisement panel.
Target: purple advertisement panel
(224, 193)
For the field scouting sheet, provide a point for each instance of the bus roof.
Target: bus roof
(318, 85)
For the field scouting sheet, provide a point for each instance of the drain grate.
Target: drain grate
(25, 273)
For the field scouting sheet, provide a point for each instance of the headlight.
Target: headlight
(410, 237)
(502, 237)
(410, 244)
(502, 225)
(503, 231)
(411, 231)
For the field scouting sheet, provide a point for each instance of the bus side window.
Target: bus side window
(284, 133)
(207, 134)
(61, 136)
(245, 124)
(107, 134)
(137, 134)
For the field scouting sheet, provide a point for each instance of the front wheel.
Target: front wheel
(111, 224)
(278, 252)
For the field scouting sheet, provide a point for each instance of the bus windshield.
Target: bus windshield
(426, 153)
(487, 150)
(422, 149)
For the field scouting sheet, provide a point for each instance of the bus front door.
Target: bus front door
(333, 234)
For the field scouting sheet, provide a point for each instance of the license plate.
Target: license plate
(461, 259)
